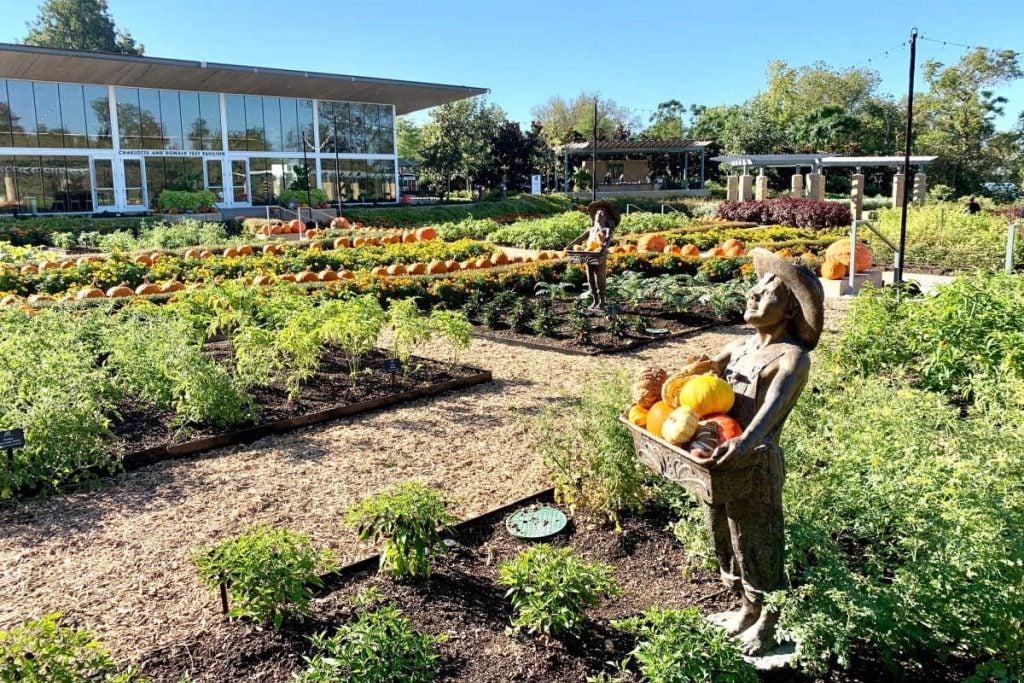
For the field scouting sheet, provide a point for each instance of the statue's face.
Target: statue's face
(768, 302)
(600, 218)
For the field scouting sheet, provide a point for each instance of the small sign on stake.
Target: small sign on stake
(11, 439)
(392, 365)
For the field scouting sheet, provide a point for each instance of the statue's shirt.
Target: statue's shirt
(750, 373)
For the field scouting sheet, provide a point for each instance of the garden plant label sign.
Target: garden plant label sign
(392, 365)
(12, 438)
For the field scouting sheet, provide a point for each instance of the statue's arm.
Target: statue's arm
(721, 360)
(787, 383)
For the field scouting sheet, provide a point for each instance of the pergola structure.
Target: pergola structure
(623, 172)
(741, 187)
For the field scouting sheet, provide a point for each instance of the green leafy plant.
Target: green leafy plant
(186, 200)
(377, 647)
(269, 573)
(455, 330)
(44, 651)
(409, 519)
(355, 325)
(544, 321)
(410, 329)
(680, 646)
(551, 588)
(520, 315)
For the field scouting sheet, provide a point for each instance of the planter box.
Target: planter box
(837, 288)
(713, 486)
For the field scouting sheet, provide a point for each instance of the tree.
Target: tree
(666, 122)
(955, 119)
(79, 25)
(563, 121)
(410, 139)
(458, 141)
(513, 155)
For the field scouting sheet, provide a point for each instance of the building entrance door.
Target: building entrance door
(213, 175)
(134, 174)
(240, 192)
(103, 196)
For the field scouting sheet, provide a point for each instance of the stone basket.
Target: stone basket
(713, 486)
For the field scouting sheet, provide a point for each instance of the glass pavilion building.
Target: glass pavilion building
(87, 132)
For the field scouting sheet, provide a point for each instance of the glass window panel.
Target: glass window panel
(290, 125)
(209, 109)
(272, 123)
(149, 115)
(23, 113)
(254, 128)
(170, 118)
(305, 112)
(372, 112)
(8, 183)
(29, 183)
(48, 125)
(5, 122)
(260, 180)
(156, 179)
(329, 179)
(133, 184)
(55, 184)
(97, 116)
(72, 115)
(325, 114)
(341, 117)
(235, 109)
(387, 127)
(129, 123)
(215, 178)
(103, 179)
(192, 127)
(79, 188)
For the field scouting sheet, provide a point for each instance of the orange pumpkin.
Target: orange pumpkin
(263, 280)
(730, 243)
(245, 250)
(358, 242)
(469, 264)
(340, 223)
(342, 243)
(499, 258)
(379, 271)
(653, 242)
(347, 275)
(718, 251)
(121, 290)
(436, 268)
(734, 251)
(833, 270)
(39, 298)
(316, 246)
(656, 417)
(171, 286)
(143, 260)
(690, 250)
(452, 266)
(396, 269)
(295, 226)
(83, 260)
(417, 269)
(10, 300)
(230, 252)
(272, 249)
(147, 288)
(839, 251)
(424, 234)
(196, 254)
(409, 237)
(289, 277)
(307, 276)
(482, 262)
(327, 275)
(206, 253)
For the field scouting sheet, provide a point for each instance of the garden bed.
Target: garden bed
(462, 599)
(145, 435)
(602, 339)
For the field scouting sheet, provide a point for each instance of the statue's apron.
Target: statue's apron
(748, 533)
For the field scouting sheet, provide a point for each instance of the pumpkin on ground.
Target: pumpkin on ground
(289, 277)
(171, 286)
(734, 251)
(424, 234)
(436, 268)
(327, 275)
(316, 246)
(452, 266)
(272, 249)
(295, 225)
(672, 249)
(680, 425)
(652, 242)
(833, 270)
(707, 395)
(839, 251)
(83, 260)
(656, 417)
(245, 250)
(469, 264)
(396, 269)
(499, 258)
(48, 265)
(38, 298)
(340, 223)
(143, 260)
(10, 300)
(30, 269)
(120, 290)
(347, 275)
(358, 242)
(690, 250)
(147, 288)
(342, 243)
(409, 237)
(91, 292)
(379, 271)
(731, 243)
(206, 253)
(638, 415)
(646, 390)
(196, 254)
(718, 251)
(483, 262)
(306, 276)
(417, 269)
(263, 280)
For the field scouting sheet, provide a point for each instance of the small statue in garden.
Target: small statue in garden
(605, 219)
(767, 372)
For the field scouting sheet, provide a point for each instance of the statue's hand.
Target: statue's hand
(733, 452)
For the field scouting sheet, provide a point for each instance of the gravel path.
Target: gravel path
(119, 558)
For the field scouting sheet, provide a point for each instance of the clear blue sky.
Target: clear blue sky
(637, 53)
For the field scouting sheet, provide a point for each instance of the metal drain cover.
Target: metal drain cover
(538, 521)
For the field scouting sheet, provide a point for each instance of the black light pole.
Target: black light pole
(593, 174)
(337, 167)
(907, 188)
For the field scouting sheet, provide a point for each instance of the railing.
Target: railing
(1011, 236)
(670, 208)
(897, 256)
(635, 207)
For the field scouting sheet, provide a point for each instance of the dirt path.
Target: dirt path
(119, 558)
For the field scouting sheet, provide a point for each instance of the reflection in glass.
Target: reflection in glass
(48, 125)
(290, 125)
(78, 194)
(5, 120)
(23, 113)
(29, 183)
(192, 125)
(272, 123)
(72, 115)
(103, 179)
(305, 113)
(129, 123)
(134, 182)
(239, 180)
(209, 109)
(215, 178)
(235, 110)
(97, 116)
(149, 113)
(8, 186)
(170, 119)
(255, 132)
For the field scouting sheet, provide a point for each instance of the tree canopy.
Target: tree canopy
(79, 25)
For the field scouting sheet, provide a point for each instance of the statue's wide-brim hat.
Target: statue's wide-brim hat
(609, 210)
(806, 288)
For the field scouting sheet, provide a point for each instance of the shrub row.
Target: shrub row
(788, 211)
(504, 211)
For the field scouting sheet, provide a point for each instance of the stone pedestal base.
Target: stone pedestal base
(780, 658)
(898, 186)
(920, 188)
(857, 196)
(816, 186)
(761, 188)
(796, 185)
(732, 188)
(837, 288)
(746, 188)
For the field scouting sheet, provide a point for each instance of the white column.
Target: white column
(857, 196)
(920, 188)
(898, 186)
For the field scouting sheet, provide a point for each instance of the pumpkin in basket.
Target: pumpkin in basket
(638, 415)
(656, 417)
(707, 395)
(680, 425)
(646, 390)
(712, 433)
(694, 366)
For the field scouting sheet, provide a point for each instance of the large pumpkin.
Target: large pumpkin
(147, 288)
(731, 243)
(839, 251)
(307, 276)
(499, 258)
(327, 275)
(680, 425)
(652, 243)
(436, 267)
(656, 417)
(646, 390)
(707, 395)
(294, 225)
(833, 270)
(171, 286)
(417, 269)
(424, 234)
(690, 250)
(120, 290)
(396, 269)
(342, 243)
